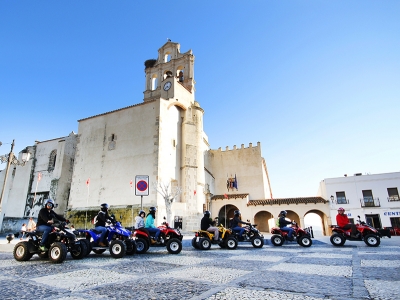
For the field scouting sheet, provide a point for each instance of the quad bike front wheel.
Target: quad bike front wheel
(57, 253)
(79, 250)
(305, 241)
(257, 242)
(21, 252)
(130, 247)
(117, 249)
(141, 246)
(337, 240)
(277, 240)
(88, 246)
(174, 246)
(372, 240)
(204, 243)
(231, 243)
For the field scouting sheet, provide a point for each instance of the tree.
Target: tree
(169, 196)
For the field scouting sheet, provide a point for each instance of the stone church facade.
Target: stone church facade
(163, 138)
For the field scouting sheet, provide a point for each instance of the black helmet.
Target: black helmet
(104, 207)
(283, 213)
(141, 212)
(49, 201)
(236, 213)
(152, 209)
(207, 213)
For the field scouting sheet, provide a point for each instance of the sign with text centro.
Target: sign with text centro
(142, 185)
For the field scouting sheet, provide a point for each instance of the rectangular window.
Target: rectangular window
(393, 194)
(368, 199)
(341, 198)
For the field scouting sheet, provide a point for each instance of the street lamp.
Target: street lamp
(11, 159)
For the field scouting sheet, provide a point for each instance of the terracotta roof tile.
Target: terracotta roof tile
(230, 196)
(287, 201)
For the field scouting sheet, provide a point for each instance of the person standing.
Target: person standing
(23, 230)
(31, 225)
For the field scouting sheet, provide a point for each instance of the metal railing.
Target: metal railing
(370, 202)
(393, 198)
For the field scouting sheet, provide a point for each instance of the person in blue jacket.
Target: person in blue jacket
(150, 224)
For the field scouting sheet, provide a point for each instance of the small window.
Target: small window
(367, 195)
(393, 194)
(52, 160)
(154, 82)
(341, 198)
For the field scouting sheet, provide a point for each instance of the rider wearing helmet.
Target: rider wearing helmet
(45, 219)
(150, 226)
(101, 220)
(343, 221)
(283, 222)
(139, 225)
(208, 225)
(235, 224)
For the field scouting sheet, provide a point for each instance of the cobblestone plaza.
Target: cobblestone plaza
(322, 271)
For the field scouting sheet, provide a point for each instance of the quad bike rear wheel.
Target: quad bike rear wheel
(337, 240)
(277, 240)
(141, 246)
(372, 240)
(194, 243)
(231, 243)
(257, 242)
(305, 241)
(88, 246)
(130, 247)
(117, 249)
(174, 246)
(57, 252)
(204, 243)
(79, 250)
(21, 252)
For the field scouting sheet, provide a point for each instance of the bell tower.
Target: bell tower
(171, 66)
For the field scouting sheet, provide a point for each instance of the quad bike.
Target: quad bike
(60, 241)
(301, 236)
(203, 239)
(169, 237)
(119, 241)
(251, 235)
(367, 233)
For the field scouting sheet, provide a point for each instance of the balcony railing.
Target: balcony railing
(393, 198)
(342, 201)
(370, 202)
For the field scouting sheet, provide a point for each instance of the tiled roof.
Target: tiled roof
(300, 200)
(231, 196)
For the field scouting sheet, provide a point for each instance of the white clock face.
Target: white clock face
(167, 86)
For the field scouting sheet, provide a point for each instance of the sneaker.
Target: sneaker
(43, 248)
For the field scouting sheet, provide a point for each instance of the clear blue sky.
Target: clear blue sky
(316, 82)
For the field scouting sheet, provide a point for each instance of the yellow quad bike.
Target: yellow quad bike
(203, 239)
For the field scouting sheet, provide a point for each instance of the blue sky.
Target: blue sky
(316, 82)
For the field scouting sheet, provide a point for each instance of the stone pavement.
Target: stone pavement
(322, 271)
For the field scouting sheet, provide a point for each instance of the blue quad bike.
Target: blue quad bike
(119, 240)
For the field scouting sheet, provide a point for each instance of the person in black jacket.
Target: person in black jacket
(283, 222)
(208, 225)
(101, 220)
(45, 219)
(235, 223)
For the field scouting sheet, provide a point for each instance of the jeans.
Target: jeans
(154, 231)
(46, 230)
(288, 229)
(103, 231)
(238, 229)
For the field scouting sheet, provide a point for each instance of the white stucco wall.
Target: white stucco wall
(353, 187)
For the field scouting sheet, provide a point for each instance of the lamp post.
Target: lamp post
(11, 159)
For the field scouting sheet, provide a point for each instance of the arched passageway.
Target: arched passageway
(262, 219)
(318, 221)
(226, 213)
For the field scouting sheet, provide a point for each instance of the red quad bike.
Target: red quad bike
(301, 236)
(367, 233)
(169, 237)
